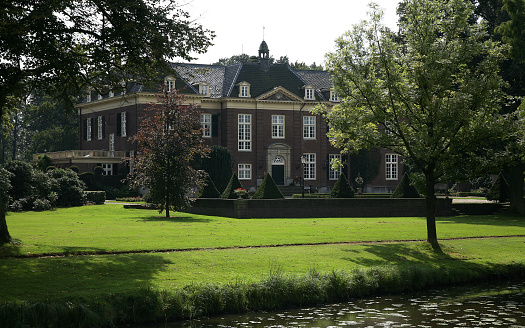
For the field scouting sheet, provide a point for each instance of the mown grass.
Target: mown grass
(111, 228)
(221, 265)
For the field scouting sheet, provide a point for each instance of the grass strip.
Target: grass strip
(278, 291)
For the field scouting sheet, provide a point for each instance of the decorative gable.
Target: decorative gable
(279, 94)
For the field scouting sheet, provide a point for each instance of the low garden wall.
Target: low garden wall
(303, 208)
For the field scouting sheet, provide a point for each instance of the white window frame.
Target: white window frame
(278, 126)
(170, 84)
(204, 89)
(309, 127)
(244, 129)
(309, 93)
(89, 130)
(206, 125)
(88, 97)
(99, 127)
(309, 166)
(244, 171)
(123, 119)
(111, 94)
(334, 97)
(391, 167)
(334, 174)
(244, 90)
(107, 169)
(99, 96)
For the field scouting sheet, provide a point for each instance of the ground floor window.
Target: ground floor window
(245, 171)
(107, 169)
(309, 166)
(391, 166)
(334, 173)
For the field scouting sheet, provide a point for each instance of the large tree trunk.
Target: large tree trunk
(4, 232)
(517, 205)
(430, 201)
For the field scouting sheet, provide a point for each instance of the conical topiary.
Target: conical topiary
(405, 189)
(209, 190)
(499, 191)
(229, 192)
(342, 188)
(268, 189)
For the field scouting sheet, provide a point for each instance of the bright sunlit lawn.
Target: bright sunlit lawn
(199, 249)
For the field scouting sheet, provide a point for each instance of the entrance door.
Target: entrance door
(278, 174)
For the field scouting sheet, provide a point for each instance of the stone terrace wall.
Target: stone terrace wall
(303, 208)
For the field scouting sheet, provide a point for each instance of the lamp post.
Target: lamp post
(303, 162)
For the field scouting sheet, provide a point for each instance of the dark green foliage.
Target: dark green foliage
(21, 178)
(366, 164)
(219, 166)
(50, 168)
(96, 197)
(89, 179)
(43, 162)
(229, 191)
(75, 169)
(342, 188)
(98, 170)
(500, 191)
(68, 187)
(209, 190)
(5, 186)
(268, 189)
(405, 189)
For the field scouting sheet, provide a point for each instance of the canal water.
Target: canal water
(486, 306)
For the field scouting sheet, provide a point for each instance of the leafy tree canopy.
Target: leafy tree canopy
(431, 93)
(63, 46)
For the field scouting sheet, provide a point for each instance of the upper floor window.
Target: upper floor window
(309, 93)
(206, 125)
(122, 124)
(278, 126)
(88, 97)
(391, 166)
(245, 171)
(204, 89)
(89, 129)
(334, 173)
(99, 96)
(334, 97)
(170, 84)
(101, 122)
(111, 94)
(245, 131)
(309, 127)
(244, 90)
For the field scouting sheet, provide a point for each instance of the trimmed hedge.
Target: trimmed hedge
(268, 189)
(229, 192)
(500, 190)
(96, 197)
(342, 188)
(405, 189)
(209, 190)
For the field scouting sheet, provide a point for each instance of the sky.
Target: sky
(302, 30)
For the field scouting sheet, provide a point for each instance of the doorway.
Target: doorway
(278, 170)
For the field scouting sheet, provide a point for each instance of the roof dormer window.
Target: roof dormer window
(170, 84)
(244, 90)
(308, 92)
(334, 97)
(204, 89)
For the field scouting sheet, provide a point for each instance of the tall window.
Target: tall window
(204, 89)
(309, 167)
(245, 171)
(333, 174)
(391, 166)
(100, 127)
(245, 131)
(278, 126)
(206, 125)
(245, 91)
(309, 127)
(333, 96)
(88, 129)
(170, 84)
(123, 124)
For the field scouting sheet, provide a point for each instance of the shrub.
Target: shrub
(69, 188)
(209, 190)
(405, 189)
(98, 170)
(218, 165)
(342, 188)
(96, 197)
(41, 205)
(74, 168)
(20, 179)
(229, 192)
(89, 179)
(268, 189)
(50, 168)
(500, 191)
(43, 162)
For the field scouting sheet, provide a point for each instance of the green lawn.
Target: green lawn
(108, 228)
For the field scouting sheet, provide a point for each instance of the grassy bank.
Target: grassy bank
(209, 265)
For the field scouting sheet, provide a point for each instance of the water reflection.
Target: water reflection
(495, 306)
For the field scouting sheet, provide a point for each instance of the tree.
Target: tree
(218, 165)
(5, 186)
(61, 47)
(499, 192)
(169, 139)
(431, 93)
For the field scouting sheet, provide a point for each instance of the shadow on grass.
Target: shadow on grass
(491, 220)
(77, 276)
(400, 253)
(173, 219)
